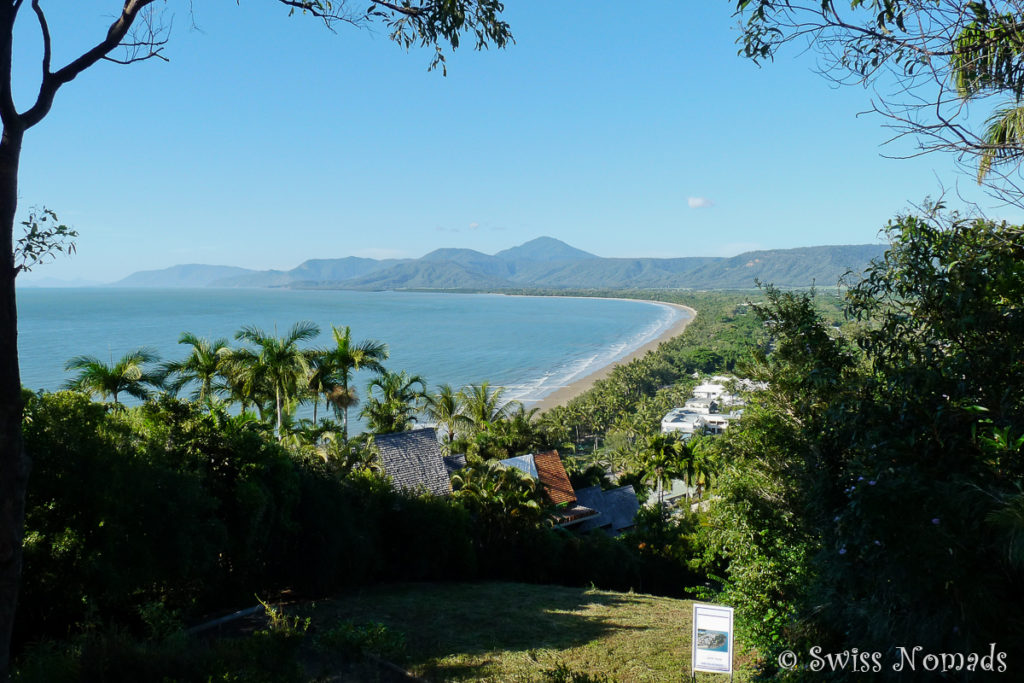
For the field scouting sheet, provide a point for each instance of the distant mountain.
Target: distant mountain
(544, 249)
(544, 262)
(191, 275)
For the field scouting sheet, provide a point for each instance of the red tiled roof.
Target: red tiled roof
(553, 478)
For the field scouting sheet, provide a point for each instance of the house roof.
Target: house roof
(413, 461)
(524, 463)
(621, 505)
(617, 507)
(551, 474)
(454, 463)
(574, 514)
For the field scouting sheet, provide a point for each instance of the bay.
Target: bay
(530, 345)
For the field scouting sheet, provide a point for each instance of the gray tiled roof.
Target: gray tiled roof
(617, 507)
(621, 505)
(413, 461)
(454, 463)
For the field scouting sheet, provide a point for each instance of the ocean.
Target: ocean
(530, 345)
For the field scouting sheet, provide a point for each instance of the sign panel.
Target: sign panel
(712, 638)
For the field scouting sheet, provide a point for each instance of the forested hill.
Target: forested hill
(544, 262)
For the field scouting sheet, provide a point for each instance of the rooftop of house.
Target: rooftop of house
(617, 507)
(547, 469)
(454, 463)
(680, 416)
(551, 474)
(414, 462)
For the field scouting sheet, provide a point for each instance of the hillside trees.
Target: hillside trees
(870, 495)
(428, 23)
(935, 62)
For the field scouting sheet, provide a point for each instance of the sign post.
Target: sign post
(712, 639)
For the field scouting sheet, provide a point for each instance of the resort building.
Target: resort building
(681, 421)
(701, 406)
(708, 390)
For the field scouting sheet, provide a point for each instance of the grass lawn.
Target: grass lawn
(517, 632)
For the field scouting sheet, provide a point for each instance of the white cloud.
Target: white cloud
(474, 225)
(699, 202)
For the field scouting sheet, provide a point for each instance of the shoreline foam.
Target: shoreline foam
(564, 394)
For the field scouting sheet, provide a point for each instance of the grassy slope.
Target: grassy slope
(516, 632)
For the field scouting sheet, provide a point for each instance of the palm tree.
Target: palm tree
(446, 408)
(244, 379)
(344, 360)
(279, 361)
(201, 367)
(483, 404)
(319, 379)
(662, 461)
(394, 399)
(128, 375)
(1003, 140)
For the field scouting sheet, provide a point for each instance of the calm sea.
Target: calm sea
(530, 345)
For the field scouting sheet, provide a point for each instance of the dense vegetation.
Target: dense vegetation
(869, 498)
(873, 497)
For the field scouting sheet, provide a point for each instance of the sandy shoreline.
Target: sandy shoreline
(563, 395)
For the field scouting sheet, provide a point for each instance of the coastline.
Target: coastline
(564, 394)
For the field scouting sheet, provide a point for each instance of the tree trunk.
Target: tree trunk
(344, 424)
(14, 461)
(277, 404)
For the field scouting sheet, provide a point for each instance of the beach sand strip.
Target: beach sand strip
(563, 395)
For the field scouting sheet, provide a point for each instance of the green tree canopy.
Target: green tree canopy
(129, 375)
(871, 496)
(278, 361)
(202, 367)
(133, 35)
(394, 399)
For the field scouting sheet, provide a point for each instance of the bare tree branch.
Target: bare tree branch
(146, 41)
(45, 29)
(935, 58)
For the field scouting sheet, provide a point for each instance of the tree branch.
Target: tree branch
(8, 112)
(45, 29)
(53, 81)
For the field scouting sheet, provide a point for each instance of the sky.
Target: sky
(622, 129)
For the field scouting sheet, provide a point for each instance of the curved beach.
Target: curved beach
(564, 394)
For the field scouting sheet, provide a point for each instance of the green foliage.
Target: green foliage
(351, 638)
(114, 655)
(203, 367)
(277, 366)
(870, 495)
(627, 407)
(335, 368)
(565, 674)
(393, 400)
(44, 238)
(129, 375)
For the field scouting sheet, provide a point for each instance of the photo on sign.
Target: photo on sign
(717, 641)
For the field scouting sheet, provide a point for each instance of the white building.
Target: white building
(680, 420)
(701, 406)
(709, 391)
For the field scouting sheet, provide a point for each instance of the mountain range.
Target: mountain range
(545, 263)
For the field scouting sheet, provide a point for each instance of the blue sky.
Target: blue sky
(624, 130)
